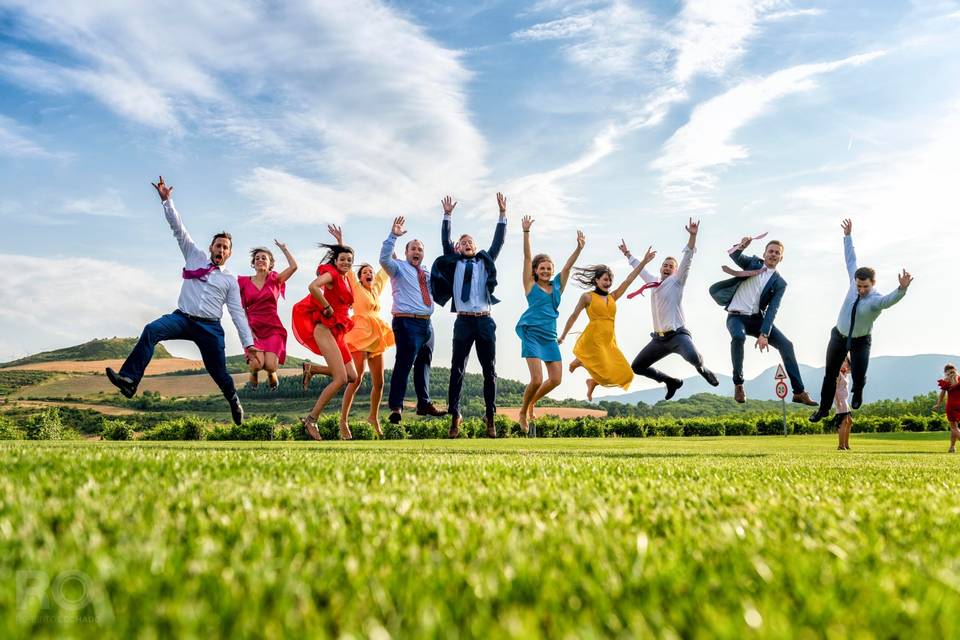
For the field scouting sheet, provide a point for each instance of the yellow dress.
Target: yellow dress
(597, 346)
(370, 333)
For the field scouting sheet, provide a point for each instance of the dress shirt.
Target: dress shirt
(478, 302)
(405, 281)
(205, 297)
(870, 305)
(666, 299)
(747, 298)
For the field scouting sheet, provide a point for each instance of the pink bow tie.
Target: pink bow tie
(198, 274)
(639, 292)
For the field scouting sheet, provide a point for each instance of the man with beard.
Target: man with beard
(206, 287)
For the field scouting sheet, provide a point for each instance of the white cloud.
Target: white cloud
(695, 153)
(14, 143)
(358, 98)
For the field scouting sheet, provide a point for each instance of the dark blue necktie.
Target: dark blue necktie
(467, 277)
(853, 319)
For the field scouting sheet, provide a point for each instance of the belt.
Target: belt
(415, 316)
(197, 318)
(741, 313)
(665, 334)
(474, 314)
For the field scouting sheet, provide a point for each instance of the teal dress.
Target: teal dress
(537, 326)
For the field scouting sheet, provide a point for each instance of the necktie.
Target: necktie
(639, 292)
(743, 274)
(853, 319)
(467, 277)
(198, 274)
(424, 289)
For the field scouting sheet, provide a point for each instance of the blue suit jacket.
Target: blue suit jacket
(444, 267)
(722, 292)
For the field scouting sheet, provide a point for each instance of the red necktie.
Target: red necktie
(198, 274)
(639, 292)
(743, 274)
(424, 289)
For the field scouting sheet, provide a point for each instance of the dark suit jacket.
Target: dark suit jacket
(722, 292)
(445, 266)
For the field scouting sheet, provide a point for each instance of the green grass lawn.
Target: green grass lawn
(676, 537)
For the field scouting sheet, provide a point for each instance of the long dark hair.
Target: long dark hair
(586, 277)
(334, 251)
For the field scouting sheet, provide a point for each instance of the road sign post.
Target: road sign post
(781, 389)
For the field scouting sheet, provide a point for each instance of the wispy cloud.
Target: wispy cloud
(15, 143)
(359, 99)
(695, 154)
(109, 204)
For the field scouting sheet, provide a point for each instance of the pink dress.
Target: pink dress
(261, 307)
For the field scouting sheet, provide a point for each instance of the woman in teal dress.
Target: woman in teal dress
(537, 326)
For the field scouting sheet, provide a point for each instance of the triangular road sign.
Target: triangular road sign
(780, 374)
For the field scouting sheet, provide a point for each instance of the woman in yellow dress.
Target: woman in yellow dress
(596, 350)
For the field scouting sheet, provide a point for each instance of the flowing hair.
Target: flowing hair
(537, 260)
(334, 251)
(586, 277)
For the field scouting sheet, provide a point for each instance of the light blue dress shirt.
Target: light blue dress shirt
(404, 281)
(870, 306)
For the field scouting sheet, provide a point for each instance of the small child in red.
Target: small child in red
(950, 387)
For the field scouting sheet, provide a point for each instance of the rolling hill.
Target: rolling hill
(97, 349)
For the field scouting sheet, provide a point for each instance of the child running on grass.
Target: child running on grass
(843, 418)
(950, 388)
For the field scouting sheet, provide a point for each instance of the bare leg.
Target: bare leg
(376, 391)
(340, 373)
(954, 436)
(536, 379)
(591, 385)
(846, 427)
(310, 370)
(554, 376)
(359, 360)
(574, 364)
(256, 363)
(270, 364)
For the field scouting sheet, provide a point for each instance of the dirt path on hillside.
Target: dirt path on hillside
(102, 408)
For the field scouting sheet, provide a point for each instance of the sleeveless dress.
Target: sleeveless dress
(308, 313)
(953, 399)
(597, 346)
(269, 333)
(537, 326)
(370, 334)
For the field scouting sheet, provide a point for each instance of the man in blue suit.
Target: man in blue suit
(467, 277)
(752, 297)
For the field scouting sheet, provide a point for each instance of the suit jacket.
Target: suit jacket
(722, 292)
(444, 267)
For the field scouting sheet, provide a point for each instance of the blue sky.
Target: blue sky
(622, 118)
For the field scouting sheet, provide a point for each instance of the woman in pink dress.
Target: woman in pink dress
(259, 294)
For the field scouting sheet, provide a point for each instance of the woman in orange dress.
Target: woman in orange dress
(321, 322)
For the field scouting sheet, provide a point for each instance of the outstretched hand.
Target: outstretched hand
(502, 203)
(280, 245)
(336, 232)
(623, 248)
(398, 229)
(847, 226)
(692, 227)
(762, 343)
(581, 239)
(744, 242)
(526, 222)
(448, 205)
(649, 255)
(162, 189)
(905, 279)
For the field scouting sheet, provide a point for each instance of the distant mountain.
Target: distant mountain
(98, 349)
(888, 378)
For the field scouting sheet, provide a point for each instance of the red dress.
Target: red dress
(308, 313)
(953, 399)
(261, 306)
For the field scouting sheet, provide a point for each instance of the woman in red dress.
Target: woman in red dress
(320, 322)
(950, 387)
(259, 294)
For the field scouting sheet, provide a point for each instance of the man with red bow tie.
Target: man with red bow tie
(669, 333)
(206, 287)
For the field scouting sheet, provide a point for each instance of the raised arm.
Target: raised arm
(188, 247)
(501, 233)
(683, 269)
(572, 260)
(528, 280)
(737, 256)
(897, 294)
(849, 253)
(446, 227)
(582, 303)
(647, 258)
(387, 260)
(291, 263)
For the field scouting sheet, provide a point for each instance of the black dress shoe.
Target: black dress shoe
(127, 386)
(672, 386)
(394, 417)
(709, 377)
(429, 410)
(818, 415)
(236, 410)
(856, 399)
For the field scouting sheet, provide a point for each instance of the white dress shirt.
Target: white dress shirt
(205, 297)
(747, 298)
(478, 302)
(666, 299)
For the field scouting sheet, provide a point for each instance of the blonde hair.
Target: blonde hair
(950, 371)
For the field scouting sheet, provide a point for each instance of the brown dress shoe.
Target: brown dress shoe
(454, 427)
(739, 394)
(429, 410)
(804, 398)
(491, 427)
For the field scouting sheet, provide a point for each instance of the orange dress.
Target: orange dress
(370, 334)
(308, 313)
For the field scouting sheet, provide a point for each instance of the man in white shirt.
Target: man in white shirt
(669, 333)
(207, 286)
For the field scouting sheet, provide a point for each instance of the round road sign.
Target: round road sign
(781, 390)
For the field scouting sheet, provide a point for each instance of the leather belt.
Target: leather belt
(415, 316)
(197, 318)
(474, 314)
